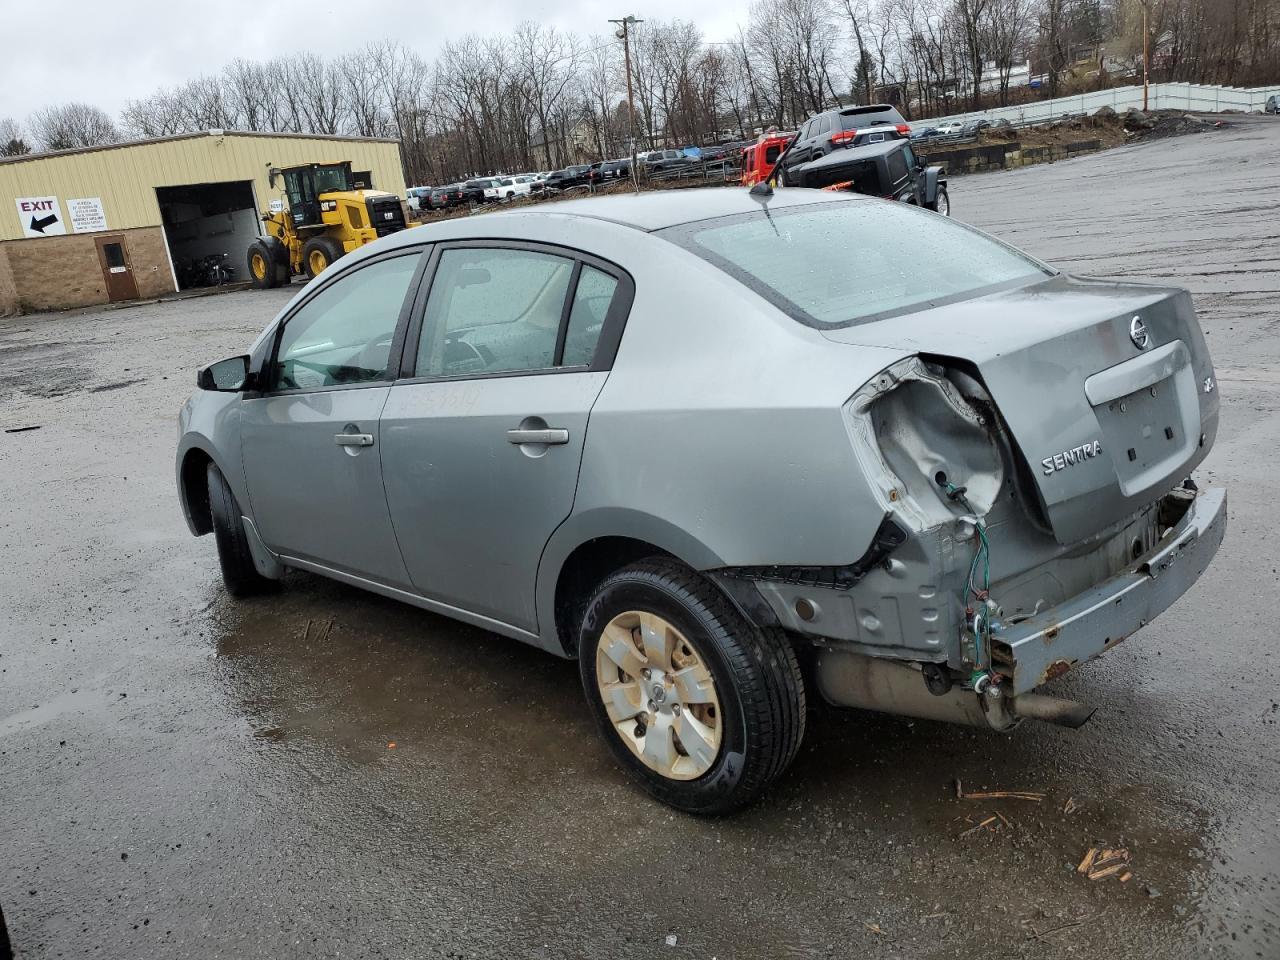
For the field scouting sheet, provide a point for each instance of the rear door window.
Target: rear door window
(897, 164)
(493, 311)
(591, 302)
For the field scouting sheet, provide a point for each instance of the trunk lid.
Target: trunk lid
(1106, 419)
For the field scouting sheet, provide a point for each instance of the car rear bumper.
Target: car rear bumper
(1046, 646)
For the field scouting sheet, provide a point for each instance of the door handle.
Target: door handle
(353, 439)
(547, 435)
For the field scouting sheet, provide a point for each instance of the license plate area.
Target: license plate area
(1149, 431)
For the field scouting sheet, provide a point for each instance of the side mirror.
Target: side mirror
(226, 376)
(272, 174)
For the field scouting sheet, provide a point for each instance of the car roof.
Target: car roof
(659, 209)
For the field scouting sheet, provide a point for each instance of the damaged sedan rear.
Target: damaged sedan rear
(695, 439)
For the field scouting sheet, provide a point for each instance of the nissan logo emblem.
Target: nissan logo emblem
(1138, 333)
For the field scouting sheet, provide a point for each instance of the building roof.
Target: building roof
(28, 157)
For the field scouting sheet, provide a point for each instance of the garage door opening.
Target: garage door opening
(204, 221)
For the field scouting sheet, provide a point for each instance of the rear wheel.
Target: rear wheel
(263, 272)
(702, 708)
(240, 576)
(318, 255)
(942, 203)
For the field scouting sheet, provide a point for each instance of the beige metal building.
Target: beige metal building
(118, 222)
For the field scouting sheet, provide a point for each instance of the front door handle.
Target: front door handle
(353, 439)
(547, 435)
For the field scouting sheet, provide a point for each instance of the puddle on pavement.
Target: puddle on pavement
(336, 676)
(52, 709)
(324, 663)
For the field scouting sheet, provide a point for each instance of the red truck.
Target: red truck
(758, 160)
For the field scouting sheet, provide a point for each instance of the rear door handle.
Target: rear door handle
(548, 435)
(353, 439)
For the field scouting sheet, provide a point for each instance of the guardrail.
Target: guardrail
(725, 170)
(1161, 96)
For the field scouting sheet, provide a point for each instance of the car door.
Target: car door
(483, 436)
(901, 178)
(310, 441)
(803, 147)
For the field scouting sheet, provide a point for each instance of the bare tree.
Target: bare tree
(12, 141)
(859, 15)
(1007, 23)
(972, 17)
(70, 125)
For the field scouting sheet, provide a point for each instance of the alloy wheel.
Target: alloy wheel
(659, 695)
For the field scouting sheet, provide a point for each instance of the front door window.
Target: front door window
(343, 334)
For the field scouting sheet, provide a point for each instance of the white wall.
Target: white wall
(1163, 96)
(221, 233)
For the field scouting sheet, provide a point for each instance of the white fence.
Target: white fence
(1163, 96)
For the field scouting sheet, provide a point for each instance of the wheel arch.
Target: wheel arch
(587, 548)
(193, 490)
(195, 453)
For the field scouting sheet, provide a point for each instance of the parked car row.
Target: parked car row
(477, 190)
(951, 128)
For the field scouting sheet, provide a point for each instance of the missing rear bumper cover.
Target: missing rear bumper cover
(888, 537)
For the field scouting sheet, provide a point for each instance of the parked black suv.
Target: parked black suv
(442, 198)
(572, 176)
(609, 170)
(845, 127)
(890, 169)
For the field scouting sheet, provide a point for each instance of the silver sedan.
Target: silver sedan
(697, 438)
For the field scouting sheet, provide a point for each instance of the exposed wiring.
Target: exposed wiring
(978, 612)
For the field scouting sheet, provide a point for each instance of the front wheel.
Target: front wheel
(942, 203)
(240, 576)
(319, 254)
(262, 267)
(702, 708)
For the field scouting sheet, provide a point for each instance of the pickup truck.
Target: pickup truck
(482, 190)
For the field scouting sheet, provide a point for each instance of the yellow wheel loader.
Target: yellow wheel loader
(322, 217)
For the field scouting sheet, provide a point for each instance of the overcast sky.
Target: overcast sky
(107, 53)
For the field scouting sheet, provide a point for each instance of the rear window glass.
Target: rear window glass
(837, 264)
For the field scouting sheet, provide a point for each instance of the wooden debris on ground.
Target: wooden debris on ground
(322, 633)
(998, 794)
(1070, 806)
(1042, 935)
(982, 826)
(1102, 862)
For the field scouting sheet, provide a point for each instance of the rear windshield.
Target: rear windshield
(870, 117)
(838, 264)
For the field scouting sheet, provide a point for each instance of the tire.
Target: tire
(240, 576)
(263, 272)
(941, 202)
(318, 255)
(742, 685)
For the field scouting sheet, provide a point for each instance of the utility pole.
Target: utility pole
(625, 36)
(1146, 54)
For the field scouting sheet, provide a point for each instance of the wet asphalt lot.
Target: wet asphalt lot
(184, 776)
